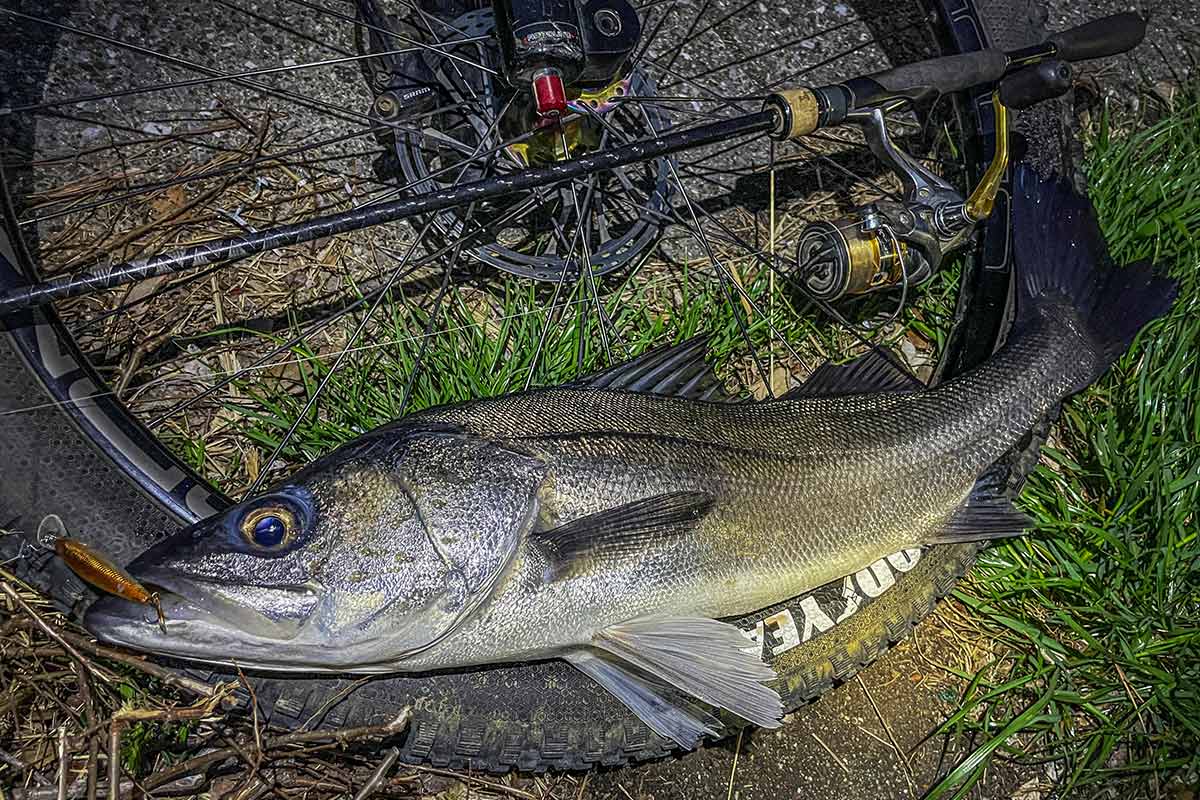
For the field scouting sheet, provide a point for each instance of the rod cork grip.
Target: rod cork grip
(798, 111)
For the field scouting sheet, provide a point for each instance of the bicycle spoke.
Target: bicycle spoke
(703, 176)
(653, 103)
(581, 327)
(555, 315)
(711, 26)
(407, 40)
(727, 279)
(606, 241)
(722, 151)
(274, 239)
(586, 261)
(337, 363)
(437, 304)
(280, 26)
(552, 315)
(217, 172)
(771, 263)
(811, 68)
(329, 108)
(727, 276)
(231, 77)
(582, 215)
(737, 145)
(713, 94)
(690, 34)
(781, 46)
(824, 159)
(87, 400)
(70, 158)
(426, 334)
(775, 337)
(654, 34)
(319, 325)
(358, 332)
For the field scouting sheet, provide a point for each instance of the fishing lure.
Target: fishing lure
(106, 576)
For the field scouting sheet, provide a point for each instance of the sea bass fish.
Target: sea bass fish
(613, 522)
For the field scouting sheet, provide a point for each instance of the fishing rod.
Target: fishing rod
(1027, 76)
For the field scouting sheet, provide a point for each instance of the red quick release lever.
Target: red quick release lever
(549, 95)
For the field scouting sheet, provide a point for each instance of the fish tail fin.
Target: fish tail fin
(1064, 270)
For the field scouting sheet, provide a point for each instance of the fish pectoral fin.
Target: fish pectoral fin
(987, 514)
(873, 371)
(681, 721)
(701, 657)
(619, 530)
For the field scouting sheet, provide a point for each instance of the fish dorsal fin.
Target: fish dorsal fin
(578, 543)
(987, 514)
(677, 370)
(704, 658)
(874, 371)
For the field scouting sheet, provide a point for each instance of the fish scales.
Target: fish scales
(809, 490)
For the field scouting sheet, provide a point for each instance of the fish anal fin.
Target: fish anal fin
(988, 513)
(622, 529)
(874, 371)
(701, 657)
(684, 723)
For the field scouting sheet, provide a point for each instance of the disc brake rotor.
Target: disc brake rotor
(541, 236)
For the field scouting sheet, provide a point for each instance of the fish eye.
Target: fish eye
(270, 527)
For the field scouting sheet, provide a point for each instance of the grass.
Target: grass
(1096, 616)
(485, 342)
(1099, 610)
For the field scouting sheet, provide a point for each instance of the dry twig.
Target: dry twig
(342, 736)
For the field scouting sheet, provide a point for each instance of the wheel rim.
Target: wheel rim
(186, 494)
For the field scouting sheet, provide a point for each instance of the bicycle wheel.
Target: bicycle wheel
(199, 147)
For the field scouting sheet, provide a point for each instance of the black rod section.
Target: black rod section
(98, 278)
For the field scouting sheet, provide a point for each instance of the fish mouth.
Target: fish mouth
(202, 616)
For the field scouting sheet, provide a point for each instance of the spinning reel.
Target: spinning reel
(878, 246)
(904, 242)
(559, 69)
(901, 242)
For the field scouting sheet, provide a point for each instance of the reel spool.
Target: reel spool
(855, 255)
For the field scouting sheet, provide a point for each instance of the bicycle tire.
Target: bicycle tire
(89, 463)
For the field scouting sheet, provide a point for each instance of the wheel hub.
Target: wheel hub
(478, 114)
